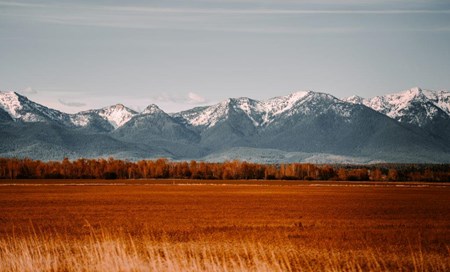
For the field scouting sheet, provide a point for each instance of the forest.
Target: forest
(165, 169)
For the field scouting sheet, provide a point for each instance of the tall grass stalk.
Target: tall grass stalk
(122, 252)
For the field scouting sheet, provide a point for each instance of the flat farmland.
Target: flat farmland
(232, 226)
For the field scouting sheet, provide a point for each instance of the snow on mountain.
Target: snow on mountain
(355, 99)
(152, 109)
(311, 122)
(117, 115)
(261, 113)
(439, 98)
(414, 106)
(21, 108)
(9, 101)
(281, 104)
(209, 116)
(80, 119)
(307, 103)
(251, 108)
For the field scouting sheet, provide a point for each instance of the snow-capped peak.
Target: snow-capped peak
(118, 106)
(21, 108)
(208, 116)
(403, 106)
(152, 109)
(261, 113)
(9, 101)
(439, 98)
(416, 90)
(116, 115)
(295, 96)
(278, 105)
(355, 99)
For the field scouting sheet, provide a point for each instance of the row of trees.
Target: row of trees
(163, 168)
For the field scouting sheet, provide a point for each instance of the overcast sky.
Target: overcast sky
(75, 55)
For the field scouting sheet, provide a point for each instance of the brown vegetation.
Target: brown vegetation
(165, 169)
(224, 228)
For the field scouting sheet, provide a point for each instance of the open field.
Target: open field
(173, 226)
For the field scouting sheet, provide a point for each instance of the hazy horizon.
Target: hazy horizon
(188, 105)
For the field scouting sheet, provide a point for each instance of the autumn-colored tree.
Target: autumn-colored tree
(163, 168)
(392, 175)
(376, 175)
(342, 174)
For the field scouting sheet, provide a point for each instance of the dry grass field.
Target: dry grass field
(234, 226)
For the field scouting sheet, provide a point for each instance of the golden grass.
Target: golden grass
(224, 228)
(120, 252)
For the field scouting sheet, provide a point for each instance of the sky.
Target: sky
(79, 55)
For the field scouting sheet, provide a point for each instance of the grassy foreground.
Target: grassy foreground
(224, 228)
(121, 252)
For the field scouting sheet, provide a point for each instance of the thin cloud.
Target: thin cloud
(111, 23)
(273, 11)
(226, 11)
(129, 24)
(22, 4)
(196, 98)
(71, 104)
(205, 19)
(190, 98)
(145, 21)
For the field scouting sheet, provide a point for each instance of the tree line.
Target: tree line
(11, 168)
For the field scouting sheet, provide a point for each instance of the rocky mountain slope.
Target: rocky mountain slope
(411, 126)
(427, 109)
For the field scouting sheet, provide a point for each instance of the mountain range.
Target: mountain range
(307, 126)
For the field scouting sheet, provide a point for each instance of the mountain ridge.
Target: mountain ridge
(378, 129)
(269, 108)
(398, 105)
(427, 109)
